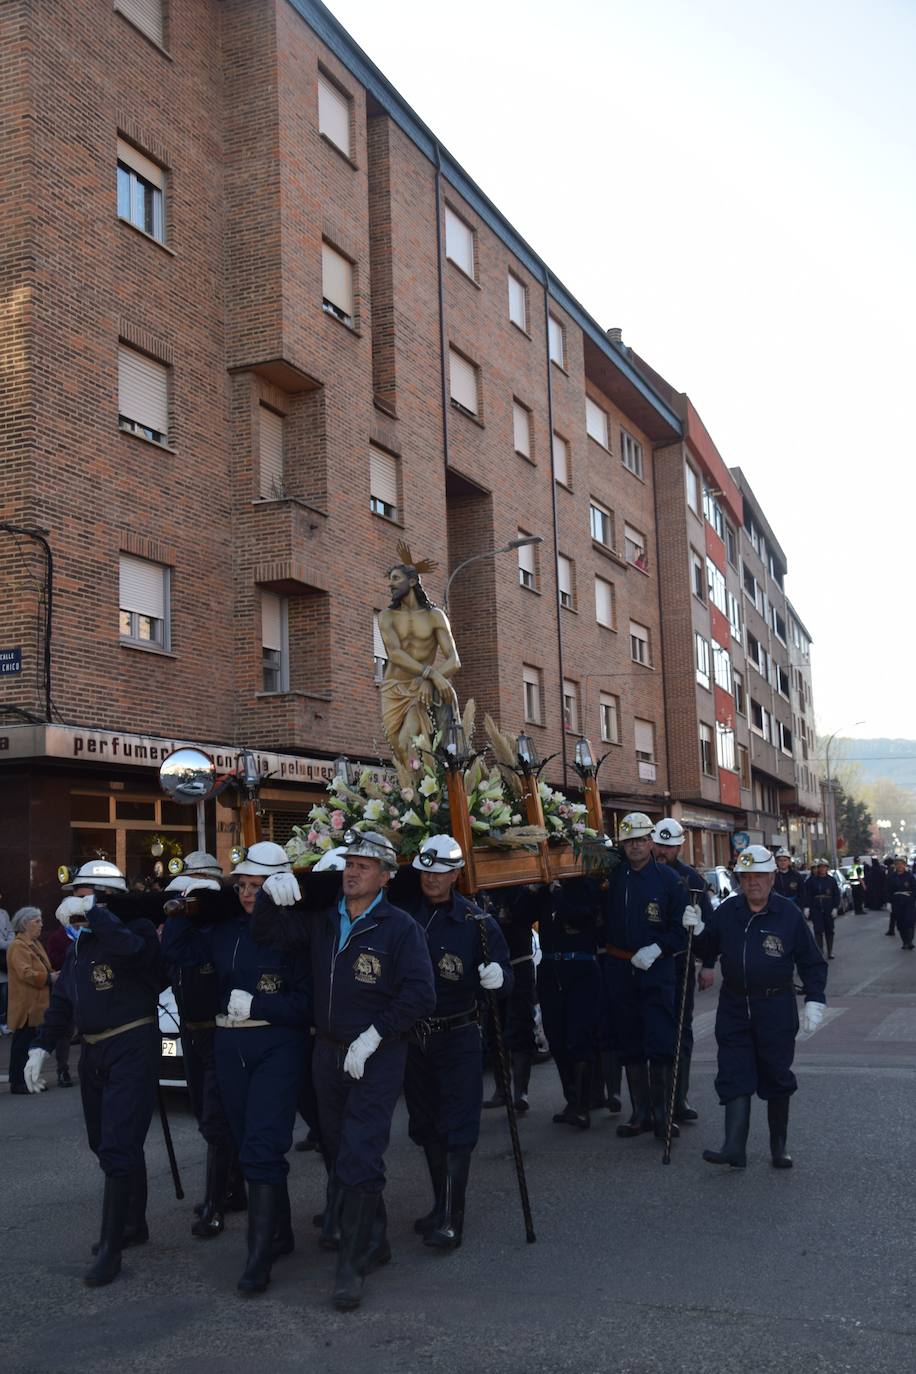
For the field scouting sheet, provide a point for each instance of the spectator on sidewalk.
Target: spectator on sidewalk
(6, 939)
(30, 981)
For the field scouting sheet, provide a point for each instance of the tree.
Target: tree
(853, 823)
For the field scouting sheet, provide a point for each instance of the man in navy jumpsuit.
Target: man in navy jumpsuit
(108, 988)
(372, 980)
(645, 912)
(259, 1045)
(760, 939)
(667, 841)
(901, 893)
(822, 902)
(443, 1084)
(789, 882)
(515, 908)
(569, 990)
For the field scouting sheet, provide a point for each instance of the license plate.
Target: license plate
(170, 1048)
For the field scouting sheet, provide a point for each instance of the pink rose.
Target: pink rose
(395, 825)
(432, 808)
(392, 811)
(386, 787)
(338, 820)
(415, 765)
(313, 836)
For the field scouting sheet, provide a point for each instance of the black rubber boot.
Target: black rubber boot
(357, 1213)
(521, 1076)
(497, 1100)
(136, 1231)
(236, 1199)
(778, 1118)
(737, 1125)
(447, 1235)
(610, 1072)
(263, 1210)
(682, 1108)
(210, 1221)
(829, 946)
(436, 1163)
(577, 1110)
(379, 1251)
(661, 1080)
(107, 1265)
(641, 1115)
(330, 1217)
(63, 1078)
(284, 1240)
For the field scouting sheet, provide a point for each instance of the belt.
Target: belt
(570, 954)
(617, 953)
(119, 1030)
(757, 993)
(432, 1025)
(226, 1023)
(522, 959)
(199, 1025)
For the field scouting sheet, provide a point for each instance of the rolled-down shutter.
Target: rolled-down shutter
(462, 381)
(142, 587)
(383, 477)
(146, 14)
(143, 390)
(271, 621)
(270, 443)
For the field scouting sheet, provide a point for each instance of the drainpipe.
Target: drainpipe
(556, 527)
(443, 342)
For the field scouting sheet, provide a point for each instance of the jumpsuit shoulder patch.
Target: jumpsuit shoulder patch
(773, 946)
(269, 982)
(367, 968)
(653, 912)
(102, 977)
(451, 967)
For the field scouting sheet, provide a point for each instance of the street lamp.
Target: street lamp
(831, 807)
(520, 543)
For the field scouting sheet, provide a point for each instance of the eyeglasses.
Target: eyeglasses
(248, 887)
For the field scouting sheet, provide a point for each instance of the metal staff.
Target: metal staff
(688, 973)
(505, 1086)
(169, 1148)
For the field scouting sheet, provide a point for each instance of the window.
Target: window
(531, 683)
(527, 566)
(699, 576)
(782, 680)
(744, 765)
(146, 15)
(556, 341)
(270, 453)
(753, 589)
(383, 483)
(713, 511)
(141, 184)
(725, 746)
(601, 523)
(634, 545)
(604, 603)
(518, 302)
(379, 652)
(779, 625)
(722, 668)
(143, 395)
(596, 422)
(785, 739)
(707, 760)
(334, 114)
(459, 242)
(274, 641)
(639, 643)
(521, 428)
(693, 489)
(776, 572)
(715, 582)
(731, 546)
(144, 602)
(734, 616)
(566, 582)
(336, 284)
(571, 706)
(756, 717)
(644, 740)
(561, 461)
(609, 713)
(631, 453)
(462, 382)
(701, 651)
(738, 688)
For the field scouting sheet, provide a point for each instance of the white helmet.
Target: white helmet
(369, 844)
(97, 873)
(668, 831)
(332, 861)
(782, 854)
(263, 859)
(200, 862)
(635, 826)
(755, 859)
(178, 883)
(440, 854)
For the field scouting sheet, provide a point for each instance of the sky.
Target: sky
(732, 184)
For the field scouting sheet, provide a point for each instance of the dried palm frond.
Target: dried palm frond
(473, 776)
(505, 752)
(469, 719)
(516, 837)
(422, 565)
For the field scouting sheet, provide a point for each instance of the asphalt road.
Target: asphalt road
(636, 1268)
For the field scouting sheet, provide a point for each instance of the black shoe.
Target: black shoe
(778, 1118)
(436, 1163)
(263, 1210)
(577, 1110)
(521, 1076)
(357, 1214)
(19, 1090)
(737, 1125)
(641, 1114)
(682, 1108)
(497, 1100)
(210, 1221)
(447, 1235)
(661, 1082)
(107, 1264)
(64, 1080)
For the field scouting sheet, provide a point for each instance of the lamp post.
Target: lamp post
(831, 806)
(489, 553)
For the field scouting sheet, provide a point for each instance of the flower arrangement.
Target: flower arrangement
(565, 820)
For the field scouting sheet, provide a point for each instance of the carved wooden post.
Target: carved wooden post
(461, 827)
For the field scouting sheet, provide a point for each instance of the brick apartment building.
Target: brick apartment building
(806, 829)
(260, 327)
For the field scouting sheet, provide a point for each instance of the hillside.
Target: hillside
(894, 759)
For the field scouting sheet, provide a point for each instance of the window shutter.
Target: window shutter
(146, 14)
(383, 477)
(378, 644)
(143, 390)
(462, 381)
(271, 621)
(555, 341)
(150, 171)
(521, 429)
(517, 303)
(334, 115)
(526, 556)
(142, 587)
(561, 460)
(337, 279)
(644, 732)
(596, 422)
(271, 452)
(604, 602)
(610, 713)
(564, 575)
(459, 241)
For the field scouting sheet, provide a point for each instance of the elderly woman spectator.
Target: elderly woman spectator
(31, 978)
(6, 939)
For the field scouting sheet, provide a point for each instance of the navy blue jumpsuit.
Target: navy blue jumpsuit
(791, 884)
(822, 896)
(901, 893)
(644, 907)
(757, 1016)
(110, 980)
(698, 895)
(569, 989)
(515, 909)
(258, 1067)
(443, 1083)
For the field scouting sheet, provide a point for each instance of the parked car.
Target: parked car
(846, 902)
(171, 1055)
(720, 882)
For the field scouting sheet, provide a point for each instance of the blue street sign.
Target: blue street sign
(10, 661)
(741, 839)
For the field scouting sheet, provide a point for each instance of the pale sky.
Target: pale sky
(732, 184)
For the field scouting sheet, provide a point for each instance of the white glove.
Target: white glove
(693, 919)
(491, 976)
(199, 884)
(814, 1015)
(807, 913)
(239, 1008)
(74, 906)
(360, 1050)
(833, 911)
(644, 958)
(34, 1065)
(282, 889)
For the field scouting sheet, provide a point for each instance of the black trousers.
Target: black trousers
(19, 1053)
